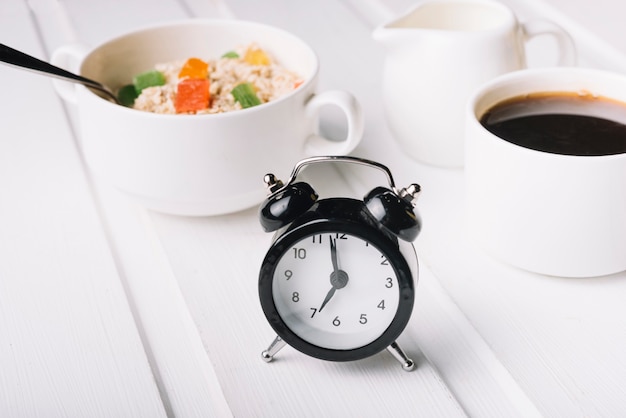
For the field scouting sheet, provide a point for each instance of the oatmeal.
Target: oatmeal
(245, 77)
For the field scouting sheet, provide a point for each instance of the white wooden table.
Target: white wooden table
(109, 310)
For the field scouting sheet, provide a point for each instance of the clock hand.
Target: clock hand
(333, 255)
(333, 258)
(329, 295)
(338, 278)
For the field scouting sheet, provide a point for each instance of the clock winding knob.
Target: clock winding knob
(272, 182)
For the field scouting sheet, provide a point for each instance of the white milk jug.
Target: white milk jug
(437, 54)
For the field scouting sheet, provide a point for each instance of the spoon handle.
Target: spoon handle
(17, 58)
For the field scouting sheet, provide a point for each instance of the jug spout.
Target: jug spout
(384, 36)
(389, 36)
(446, 17)
(401, 28)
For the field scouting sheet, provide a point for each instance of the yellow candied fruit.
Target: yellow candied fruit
(194, 68)
(256, 56)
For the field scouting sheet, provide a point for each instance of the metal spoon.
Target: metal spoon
(19, 59)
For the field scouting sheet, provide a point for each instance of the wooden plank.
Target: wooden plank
(98, 21)
(68, 341)
(181, 368)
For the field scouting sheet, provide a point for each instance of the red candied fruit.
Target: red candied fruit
(192, 95)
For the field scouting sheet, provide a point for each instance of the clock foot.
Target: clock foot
(275, 346)
(407, 364)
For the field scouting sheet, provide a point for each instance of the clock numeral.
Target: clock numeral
(336, 321)
(340, 236)
(299, 253)
(384, 262)
(381, 305)
(288, 274)
(295, 297)
(317, 239)
(389, 283)
(363, 319)
(314, 312)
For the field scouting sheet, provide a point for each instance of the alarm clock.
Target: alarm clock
(338, 280)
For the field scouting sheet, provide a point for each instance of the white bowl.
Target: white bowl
(199, 164)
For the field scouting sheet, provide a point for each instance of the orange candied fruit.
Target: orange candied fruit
(194, 68)
(256, 56)
(192, 95)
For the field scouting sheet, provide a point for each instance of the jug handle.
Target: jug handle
(567, 49)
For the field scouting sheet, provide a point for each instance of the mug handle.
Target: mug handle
(564, 40)
(318, 145)
(68, 57)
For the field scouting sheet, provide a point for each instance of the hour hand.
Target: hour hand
(329, 295)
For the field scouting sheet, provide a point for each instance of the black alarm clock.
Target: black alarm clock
(338, 280)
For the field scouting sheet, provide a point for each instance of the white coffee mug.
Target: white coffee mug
(200, 164)
(437, 54)
(555, 214)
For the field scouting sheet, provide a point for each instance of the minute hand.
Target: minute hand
(333, 255)
(338, 278)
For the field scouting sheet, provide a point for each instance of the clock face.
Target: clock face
(336, 290)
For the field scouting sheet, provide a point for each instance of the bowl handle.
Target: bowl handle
(318, 145)
(69, 58)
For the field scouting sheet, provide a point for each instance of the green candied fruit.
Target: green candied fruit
(127, 95)
(245, 95)
(148, 79)
(230, 54)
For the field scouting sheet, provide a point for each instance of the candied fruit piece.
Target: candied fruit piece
(192, 95)
(230, 54)
(244, 94)
(127, 95)
(256, 56)
(194, 68)
(148, 79)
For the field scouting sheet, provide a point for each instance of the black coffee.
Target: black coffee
(561, 123)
